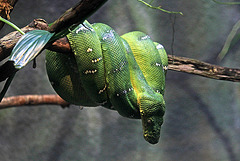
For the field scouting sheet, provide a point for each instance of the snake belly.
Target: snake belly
(122, 73)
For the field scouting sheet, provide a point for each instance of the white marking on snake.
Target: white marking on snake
(130, 89)
(102, 90)
(91, 29)
(89, 50)
(96, 60)
(108, 35)
(121, 66)
(165, 67)
(159, 46)
(128, 50)
(80, 29)
(145, 37)
(90, 71)
(158, 64)
(125, 91)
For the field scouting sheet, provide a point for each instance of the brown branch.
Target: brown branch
(72, 16)
(32, 100)
(197, 67)
(9, 41)
(84, 9)
(76, 15)
(180, 64)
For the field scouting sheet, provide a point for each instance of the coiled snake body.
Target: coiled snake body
(122, 73)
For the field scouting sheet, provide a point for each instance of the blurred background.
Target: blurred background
(202, 120)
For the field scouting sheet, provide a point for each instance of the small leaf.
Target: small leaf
(230, 41)
(29, 46)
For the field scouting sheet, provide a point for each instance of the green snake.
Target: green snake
(126, 74)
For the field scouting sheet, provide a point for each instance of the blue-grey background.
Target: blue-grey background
(202, 120)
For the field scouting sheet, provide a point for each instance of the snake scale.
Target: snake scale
(126, 74)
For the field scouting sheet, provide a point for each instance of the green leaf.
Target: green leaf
(28, 47)
(232, 38)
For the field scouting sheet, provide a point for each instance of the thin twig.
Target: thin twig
(159, 8)
(33, 100)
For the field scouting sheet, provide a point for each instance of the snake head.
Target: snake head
(152, 109)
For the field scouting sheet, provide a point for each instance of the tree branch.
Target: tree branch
(26, 100)
(76, 15)
(9, 41)
(82, 10)
(197, 67)
(180, 64)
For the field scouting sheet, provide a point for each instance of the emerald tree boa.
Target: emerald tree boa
(126, 74)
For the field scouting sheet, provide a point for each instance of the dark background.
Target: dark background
(202, 120)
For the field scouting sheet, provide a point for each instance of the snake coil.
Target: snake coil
(126, 74)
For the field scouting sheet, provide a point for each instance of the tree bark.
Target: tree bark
(193, 66)
(26, 100)
(181, 64)
(76, 14)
